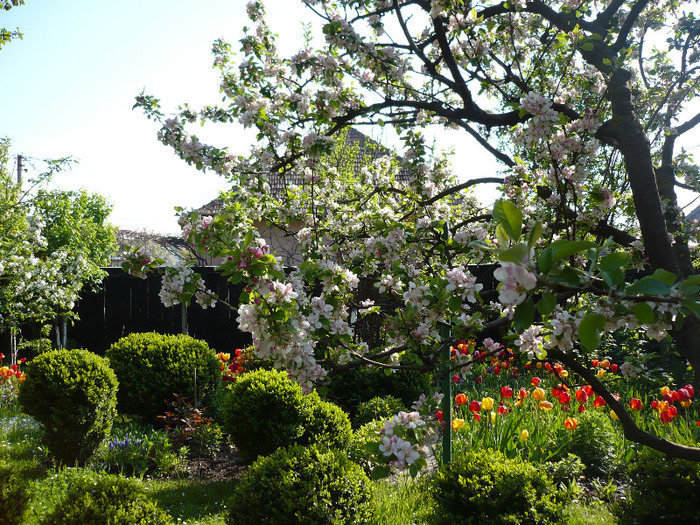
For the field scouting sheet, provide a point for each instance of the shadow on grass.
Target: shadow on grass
(192, 499)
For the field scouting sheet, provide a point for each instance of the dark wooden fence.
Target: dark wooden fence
(127, 304)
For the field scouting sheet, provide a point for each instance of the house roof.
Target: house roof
(278, 183)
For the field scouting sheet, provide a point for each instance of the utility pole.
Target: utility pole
(19, 170)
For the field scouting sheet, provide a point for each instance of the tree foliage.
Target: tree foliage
(582, 103)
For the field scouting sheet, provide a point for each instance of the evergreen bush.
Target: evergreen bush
(13, 494)
(487, 487)
(662, 490)
(264, 410)
(356, 385)
(86, 497)
(152, 367)
(382, 408)
(304, 486)
(594, 441)
(73, 395)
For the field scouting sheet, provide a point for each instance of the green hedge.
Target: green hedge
(303, 486)
(73, 395)
(152, 367)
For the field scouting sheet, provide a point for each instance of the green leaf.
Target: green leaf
(534, 235)
(649, 286)
(643, 313)
(547, 304)
(665, 276)
(587, 46)
(546, 260)
(589, 330)
(455, 303)
(510, 217)
(268, 259)
(514, 254)
(614, 261)
(502, 236)
(524, 315)
(564, 249)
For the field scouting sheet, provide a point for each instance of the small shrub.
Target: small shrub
(594, 441)
(305, 486)
(357, 449)
(264, 410)
(73, 395)
(356, 385)
(662, 490)
(377, 408)
(325, 424)
(87, 498)
(565, 470)
(152, 367)
(487, 487)
(13, 494)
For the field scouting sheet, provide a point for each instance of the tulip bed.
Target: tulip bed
(509, 414)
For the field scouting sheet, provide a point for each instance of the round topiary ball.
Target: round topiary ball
(262, 411)
(304, 486)
(325, 423)
(84, 497)
(73, 395)
(265, 410)
(382, 408)
(152, 367)
(487, 487)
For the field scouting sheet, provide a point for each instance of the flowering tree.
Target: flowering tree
(52, 243)
(583, 112)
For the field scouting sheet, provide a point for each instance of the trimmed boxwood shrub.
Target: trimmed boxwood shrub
(594, 441)
(87, 497)
(264, 410)
(356, 385)
(13, 494)
(662, 490)
(73, 395)
(324, 423)
(152, 367)
(377, 408)
(304, 486)
(487, 487)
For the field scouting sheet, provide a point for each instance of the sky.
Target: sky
(67, 89)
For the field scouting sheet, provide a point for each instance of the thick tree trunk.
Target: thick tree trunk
(627, 132)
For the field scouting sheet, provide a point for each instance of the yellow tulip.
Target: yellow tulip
(665, 390)
(493, 417)
(458, 424)
(546, 405)
(613, 415)
(487, 403)
(524, 436)
(538, 394)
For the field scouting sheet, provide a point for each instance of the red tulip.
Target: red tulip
(635, 404)
(506, 392)
(581, 396)
(461, 399)
(598, 402)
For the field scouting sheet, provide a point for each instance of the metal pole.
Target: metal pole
(446, 384)
(19, 171)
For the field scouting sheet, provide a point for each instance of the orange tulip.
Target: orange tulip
(570, 423)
